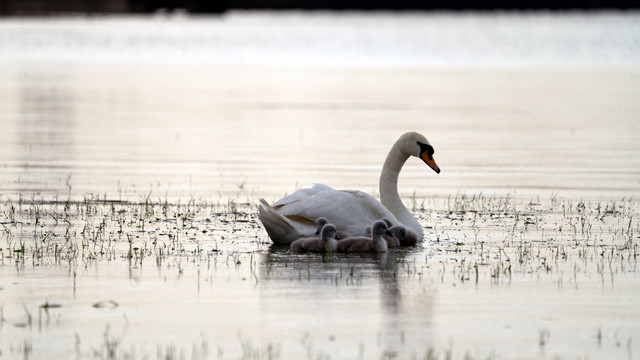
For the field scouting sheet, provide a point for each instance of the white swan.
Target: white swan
(350, 211)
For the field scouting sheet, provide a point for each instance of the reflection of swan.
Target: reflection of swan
(362, 244)
(349, 210)
(327, 241)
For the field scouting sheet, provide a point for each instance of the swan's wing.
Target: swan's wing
(322, 187)
(286, 226)
(350, 210)
(364, 205)
(302, 195)
(283, 229)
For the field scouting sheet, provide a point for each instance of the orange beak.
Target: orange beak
(429, 161)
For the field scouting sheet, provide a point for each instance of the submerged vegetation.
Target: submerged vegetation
(45, 232)
(472, 241)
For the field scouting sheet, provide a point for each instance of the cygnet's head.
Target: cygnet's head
(329, 231)
(410, 238)
(380, 228)
(367, 230)
(399, 232)
(320, 222)
(388, 222)
(417, 145)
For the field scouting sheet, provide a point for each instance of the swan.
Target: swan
(361, 244)
(403, 236)
(400, 235)
(350, 211)
(322, 221)
(393, 238)
(327, 241)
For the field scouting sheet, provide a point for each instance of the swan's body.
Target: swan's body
(362, 244)
(392, 239)
(403, 236)
(351, 211)
(400, 236)
(327, 242)
(291, 217)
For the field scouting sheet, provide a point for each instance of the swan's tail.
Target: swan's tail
(279, 228)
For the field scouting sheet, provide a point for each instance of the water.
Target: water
(133, 151)
(496, 277)
(334, 39)
(123, 131)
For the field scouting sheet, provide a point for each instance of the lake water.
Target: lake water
(133, 151)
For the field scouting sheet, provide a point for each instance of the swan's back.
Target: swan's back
(349, 210)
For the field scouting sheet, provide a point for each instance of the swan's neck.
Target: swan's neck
(389, 190)
(382, 243)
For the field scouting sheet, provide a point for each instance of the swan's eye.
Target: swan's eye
(426, 148)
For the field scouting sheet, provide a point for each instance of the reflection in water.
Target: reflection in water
(407, 315)
(341, 286)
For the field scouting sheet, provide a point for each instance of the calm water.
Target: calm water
(133, 150)
(124, 131)
(334, 39)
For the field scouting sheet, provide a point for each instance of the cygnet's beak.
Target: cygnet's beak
(388, 233)
(317, 232)
(428, 159)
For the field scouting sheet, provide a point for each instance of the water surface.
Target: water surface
(133, 152)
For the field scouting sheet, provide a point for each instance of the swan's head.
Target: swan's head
(380, 228)
(417, 145)
(320, 222)
(329, 232)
